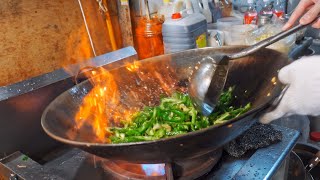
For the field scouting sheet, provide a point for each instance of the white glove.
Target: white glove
(303, 94)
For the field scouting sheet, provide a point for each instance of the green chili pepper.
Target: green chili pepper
(175, 115)
(132, 132)
(144, 127)
(160, 133)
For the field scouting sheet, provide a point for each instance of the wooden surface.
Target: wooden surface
(39, 36)
(126, 26)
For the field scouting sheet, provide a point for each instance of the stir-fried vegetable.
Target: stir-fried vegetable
(175, 115)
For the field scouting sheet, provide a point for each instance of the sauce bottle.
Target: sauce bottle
(278, 8)
(148, 37)
(266, 9)
(250, 16)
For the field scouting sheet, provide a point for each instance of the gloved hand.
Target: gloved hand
(313, 9)
(303, 94)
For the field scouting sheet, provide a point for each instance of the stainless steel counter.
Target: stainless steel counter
(265, 163)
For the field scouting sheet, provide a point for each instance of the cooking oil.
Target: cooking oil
(182, 32)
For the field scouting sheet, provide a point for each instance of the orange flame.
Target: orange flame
(100, 105)
(133, 67)
(77, 47)
(136, 171)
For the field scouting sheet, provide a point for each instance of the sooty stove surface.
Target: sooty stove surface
(76, 164)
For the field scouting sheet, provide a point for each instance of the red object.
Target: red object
(278, 13)
(315, 136)
(176, 16)
(248, 19)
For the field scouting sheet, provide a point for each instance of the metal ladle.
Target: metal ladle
(207, 83)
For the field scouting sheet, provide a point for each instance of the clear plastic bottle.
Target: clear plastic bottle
(278, 9)
(250, 16)
(184, 32)
(166, 9)
(266, 9)
(206, 11)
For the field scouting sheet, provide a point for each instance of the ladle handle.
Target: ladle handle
(268, 41)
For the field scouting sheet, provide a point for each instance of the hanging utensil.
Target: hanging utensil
(103, 6)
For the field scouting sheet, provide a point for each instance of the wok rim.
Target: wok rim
(258, 109)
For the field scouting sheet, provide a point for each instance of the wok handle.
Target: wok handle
(279, 98)
(268, 41)
(80, 76)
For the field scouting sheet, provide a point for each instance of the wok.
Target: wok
(253, 77)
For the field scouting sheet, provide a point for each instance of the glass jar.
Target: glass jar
(148, 37)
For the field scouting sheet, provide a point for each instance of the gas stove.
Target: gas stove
(72, 163)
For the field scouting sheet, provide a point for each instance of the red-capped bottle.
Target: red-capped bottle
(266, 9)
(250, 16)
(278, 8)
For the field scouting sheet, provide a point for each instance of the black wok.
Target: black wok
(254, 78)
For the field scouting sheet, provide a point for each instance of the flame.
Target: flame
(154, 169)
(133, 67)
(99, 105)
(130, 170)
(77, 47)
(93, 108)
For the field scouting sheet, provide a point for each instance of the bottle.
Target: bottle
(266, 9)
(206, 11)
(278, 8)
(216, 10)
(166, 9)
(184, 32)
(195, 5)
(189, 7)
(148, 37)
(250, 16)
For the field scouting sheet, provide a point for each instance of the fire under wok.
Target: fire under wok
(140, 84)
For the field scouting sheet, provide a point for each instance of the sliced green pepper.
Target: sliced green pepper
(175, 115)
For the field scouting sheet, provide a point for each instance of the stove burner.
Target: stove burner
(186, 169)
(73, 163)
(123, 170)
